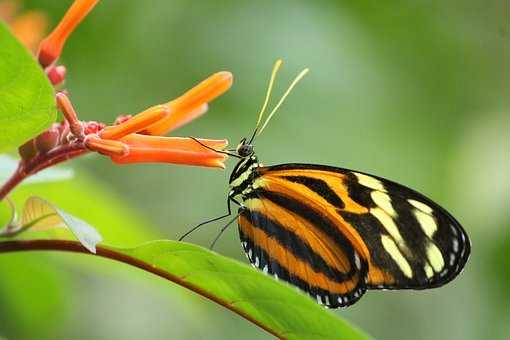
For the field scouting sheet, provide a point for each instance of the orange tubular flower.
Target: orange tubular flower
(51, 47)
(176, 150)
(192, 104)
(139, 140)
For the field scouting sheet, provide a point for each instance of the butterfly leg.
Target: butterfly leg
(229, 212)
(221, 231)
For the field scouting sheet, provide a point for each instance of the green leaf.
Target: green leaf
(273, 305)
(115, 220)
(9, 164)
(108, 212)
(39, 214)
(27, 104)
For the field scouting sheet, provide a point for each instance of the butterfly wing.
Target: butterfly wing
(404, 240)
(292, 248)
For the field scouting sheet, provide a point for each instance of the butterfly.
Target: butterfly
(335, 233)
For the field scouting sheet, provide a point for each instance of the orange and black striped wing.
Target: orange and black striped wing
(289, 246)
(403, 239)
(294, 249)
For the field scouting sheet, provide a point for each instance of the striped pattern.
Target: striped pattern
(287, 256)
(334, 233)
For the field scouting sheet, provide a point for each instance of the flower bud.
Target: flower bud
(51, 47)
(56, 74)
(67, 109)
(28, 150)
(47, 140)
(93, 127)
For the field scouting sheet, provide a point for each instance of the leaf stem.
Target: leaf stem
(76, 247)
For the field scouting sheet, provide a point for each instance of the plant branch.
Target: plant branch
(76, 247)
(12, 182)
(41, 162)
(54, 157)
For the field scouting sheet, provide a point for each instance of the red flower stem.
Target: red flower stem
(41, 162)
(54, 157)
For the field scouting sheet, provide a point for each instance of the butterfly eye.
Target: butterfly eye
(245, 150)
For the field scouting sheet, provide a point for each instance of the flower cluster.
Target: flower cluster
(131, 139)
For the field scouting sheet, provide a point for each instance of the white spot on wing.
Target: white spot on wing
(452, 259)
(357, 261)
(420, 206)
(435, 257)
(455, 245)
(429, 272)
(265, 269)
(427, 222)
(370, 182)
(383, 201)
(396, 255)
(388, 223)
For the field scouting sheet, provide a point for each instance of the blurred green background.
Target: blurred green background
(417, 91)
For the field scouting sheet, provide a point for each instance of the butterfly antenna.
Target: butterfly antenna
(289, 90)
(276, 67)
(213, 149)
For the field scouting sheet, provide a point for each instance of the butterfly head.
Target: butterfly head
(245, 149)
